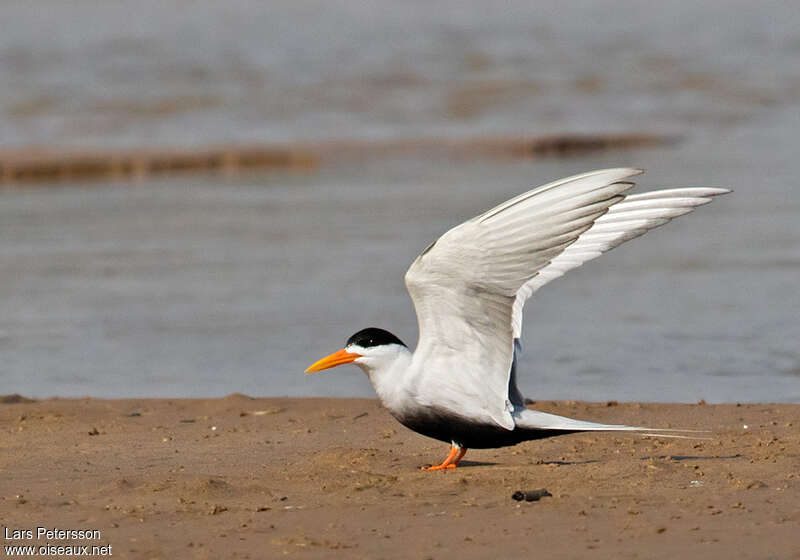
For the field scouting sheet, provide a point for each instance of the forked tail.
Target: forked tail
(535, 420)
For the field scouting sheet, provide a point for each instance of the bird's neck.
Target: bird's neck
(389, 378)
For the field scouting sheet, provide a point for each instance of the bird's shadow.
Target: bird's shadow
(691, 457)
(469, 464)
(562, 463)
(475, 464)
(660, 457)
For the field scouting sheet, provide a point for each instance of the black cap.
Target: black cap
(373, 337)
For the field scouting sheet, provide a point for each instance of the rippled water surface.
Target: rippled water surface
(206, 286)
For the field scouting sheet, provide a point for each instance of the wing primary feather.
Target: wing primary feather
(666, 202)
(583, 181)
(555, 202)
(643, 213)
(555, 215)
(679, 192)
(645, 223)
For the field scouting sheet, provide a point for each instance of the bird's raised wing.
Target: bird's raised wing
(465, 284)
(635, 215)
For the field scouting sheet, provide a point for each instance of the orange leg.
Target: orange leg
(456, 454)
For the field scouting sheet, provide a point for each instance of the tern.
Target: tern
(468, 289)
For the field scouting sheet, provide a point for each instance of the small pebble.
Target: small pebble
(530, 495)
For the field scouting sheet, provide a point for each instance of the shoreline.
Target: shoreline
(304, 477)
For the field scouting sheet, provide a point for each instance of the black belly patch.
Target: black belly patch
(449, 427)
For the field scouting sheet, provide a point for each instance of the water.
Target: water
(180, 72)
(199, 286)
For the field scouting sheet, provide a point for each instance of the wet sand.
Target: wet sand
(49, 166)
(242, 477)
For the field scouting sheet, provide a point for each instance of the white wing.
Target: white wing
(625, 220)
(464, 287)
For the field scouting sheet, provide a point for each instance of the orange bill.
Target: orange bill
(335, 359)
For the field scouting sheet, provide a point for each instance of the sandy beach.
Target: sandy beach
(242, 477)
